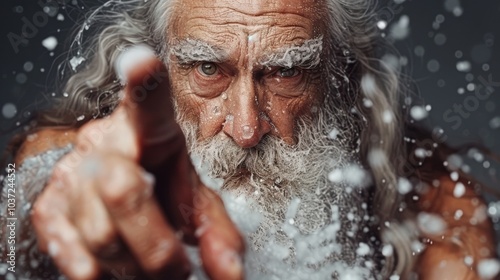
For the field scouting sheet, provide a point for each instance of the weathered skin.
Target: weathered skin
(245, 31)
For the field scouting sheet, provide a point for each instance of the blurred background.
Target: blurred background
(451, 49)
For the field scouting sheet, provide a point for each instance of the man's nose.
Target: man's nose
(245, 123)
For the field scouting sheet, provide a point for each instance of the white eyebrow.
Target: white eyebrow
(193, 50)
(307, 55)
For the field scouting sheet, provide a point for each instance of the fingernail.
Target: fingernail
(53, 248)
(131, 58)
(231, 261)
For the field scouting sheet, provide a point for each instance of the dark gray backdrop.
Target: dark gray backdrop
(451, 51)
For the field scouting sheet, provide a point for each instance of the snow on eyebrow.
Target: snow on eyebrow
(307, 55)
(193, 50)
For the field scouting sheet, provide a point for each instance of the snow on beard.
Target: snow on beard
(298, 224)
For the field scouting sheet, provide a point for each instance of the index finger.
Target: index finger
(147, 104)
(127, 194)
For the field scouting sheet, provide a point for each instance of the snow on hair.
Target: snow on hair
(348, 56)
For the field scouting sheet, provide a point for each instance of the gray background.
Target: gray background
(441, 32)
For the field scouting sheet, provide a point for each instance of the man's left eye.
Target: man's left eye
(288, 72)
(208, 68)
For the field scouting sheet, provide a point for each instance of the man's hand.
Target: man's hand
(128, 192)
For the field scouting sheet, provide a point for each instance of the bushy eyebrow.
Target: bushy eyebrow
(192, 50)
(306, 55)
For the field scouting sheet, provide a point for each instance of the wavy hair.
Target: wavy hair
(352, 50)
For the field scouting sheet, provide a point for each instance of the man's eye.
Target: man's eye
(288, 72)
(208, 68)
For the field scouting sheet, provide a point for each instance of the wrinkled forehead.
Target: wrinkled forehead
(275, 23)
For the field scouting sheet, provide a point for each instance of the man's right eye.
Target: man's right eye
(208, 69)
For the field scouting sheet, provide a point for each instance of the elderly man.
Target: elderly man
(286, 113)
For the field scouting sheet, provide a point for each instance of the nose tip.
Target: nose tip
(246, 135)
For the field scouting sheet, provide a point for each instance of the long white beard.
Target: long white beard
(298, 225)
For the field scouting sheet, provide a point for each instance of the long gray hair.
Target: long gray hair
(350, 59)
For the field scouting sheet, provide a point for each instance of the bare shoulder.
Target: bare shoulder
(44, 140)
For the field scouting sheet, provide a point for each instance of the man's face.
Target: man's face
(245, 77)
(238, 68)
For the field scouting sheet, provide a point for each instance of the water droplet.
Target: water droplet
(495, 123)
(418, 113)
(419, 51)
(336, 82)
(433, 66)
(21, 78)
(463, 66)
(28, 66)
(440, 39)
(382, 24)
(216, 110)
(80, 118)
(65, 94)
(247, 132)
(9, 110)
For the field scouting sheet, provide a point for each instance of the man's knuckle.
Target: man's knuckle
(76, 273)
(41, 210)
(122, 191)
(100, 240)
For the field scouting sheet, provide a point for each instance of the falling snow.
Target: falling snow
(431, 224)
(463, 66)
(50, 43)
(459, 190)
(418, 113)
(401, 29)
(9, 110)
(488, 269)
(404, 186)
